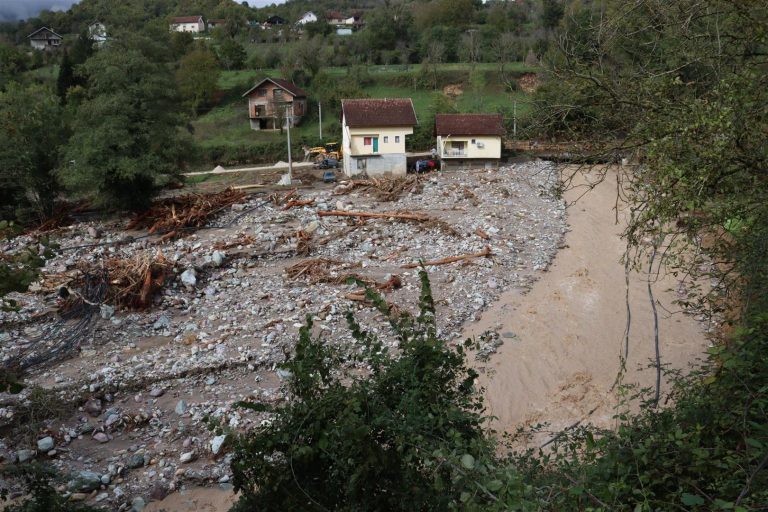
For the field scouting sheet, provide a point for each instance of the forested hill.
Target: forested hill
(138, 14)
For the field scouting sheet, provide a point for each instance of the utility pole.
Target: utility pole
(290, 163)
(514, 119)
(320, 114)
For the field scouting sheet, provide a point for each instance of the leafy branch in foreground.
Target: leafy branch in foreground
(408, 434)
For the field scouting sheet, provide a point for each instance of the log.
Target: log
(298, 202)
(372, 215)
(482, 234)
(451, 259)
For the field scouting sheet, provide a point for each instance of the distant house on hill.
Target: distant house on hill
(344, 25)
(469, 140)
(193, 24)
(307, 17)
(44, 39)
(273, 101)
(97, 31)
(212, 24)
(373, 135)
(273, 21)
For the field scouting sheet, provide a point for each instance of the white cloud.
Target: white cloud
(23, 9)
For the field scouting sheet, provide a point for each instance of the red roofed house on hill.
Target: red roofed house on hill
(273, 101)
(187, 24)
(373, 135)
(469, 140)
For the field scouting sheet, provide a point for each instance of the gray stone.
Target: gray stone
(138, 504)
(187, 457)
(189, 277)
(162, 323)
(45, 444)
(106, 311)
(111, 420)
(210, 380)
(101, 497)
(218, 258)
(135, 461)
(101, 437)
(86, 481)
(157, 392)
(94, 232)
(25, 455)
(93, 407)
(106, 478)
(181, 407)
(217, 443)
(508, 335)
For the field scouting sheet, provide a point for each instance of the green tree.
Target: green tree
(198, 77)
(552, 12)
(231, 54)
(66, 78)
(12, 62)
(32, 132)
(127, 138)
(408, 435)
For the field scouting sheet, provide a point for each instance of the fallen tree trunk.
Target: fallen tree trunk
(298, 202)
(419, 217)
(451, 259)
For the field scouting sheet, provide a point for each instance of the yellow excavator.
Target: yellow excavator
(329, 150)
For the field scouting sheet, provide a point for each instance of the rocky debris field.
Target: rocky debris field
(147, 384)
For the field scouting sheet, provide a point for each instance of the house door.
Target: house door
(375, 144)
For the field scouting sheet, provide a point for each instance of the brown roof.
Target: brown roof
(293, 89)
(362, 113)
(469, 124)
(186, 19)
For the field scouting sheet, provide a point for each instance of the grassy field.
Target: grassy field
(226, 125)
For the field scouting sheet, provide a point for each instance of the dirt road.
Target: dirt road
(569, 329)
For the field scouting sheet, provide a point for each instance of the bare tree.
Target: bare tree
(434, 57)
(472, 46)
(503, 49)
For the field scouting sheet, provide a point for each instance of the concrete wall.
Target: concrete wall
(491, 147)
(393, 164)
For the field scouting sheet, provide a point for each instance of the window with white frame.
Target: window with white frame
(386, 139)
(397, 138)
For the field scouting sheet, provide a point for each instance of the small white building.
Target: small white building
(469, 140)
(44, 39)
(307, 17)
(373, 135)
(193, 24)
(97, 31)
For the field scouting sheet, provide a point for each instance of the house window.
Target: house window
(367, 141)
(386, 139)
(261, 92)
(397, 138)
(278, 93)
(473, 141)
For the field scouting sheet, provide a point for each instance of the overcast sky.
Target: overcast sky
(23, 9)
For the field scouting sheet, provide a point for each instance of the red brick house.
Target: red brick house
(274, 100)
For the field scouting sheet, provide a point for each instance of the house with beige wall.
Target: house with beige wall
(373, 135)
(273, 101)
(469, 140)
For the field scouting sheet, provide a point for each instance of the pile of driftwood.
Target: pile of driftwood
(383, 189)
(133, 282)
(325, 270)
(170, 217)
(421, 218)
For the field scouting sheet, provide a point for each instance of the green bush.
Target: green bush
(406, 435)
